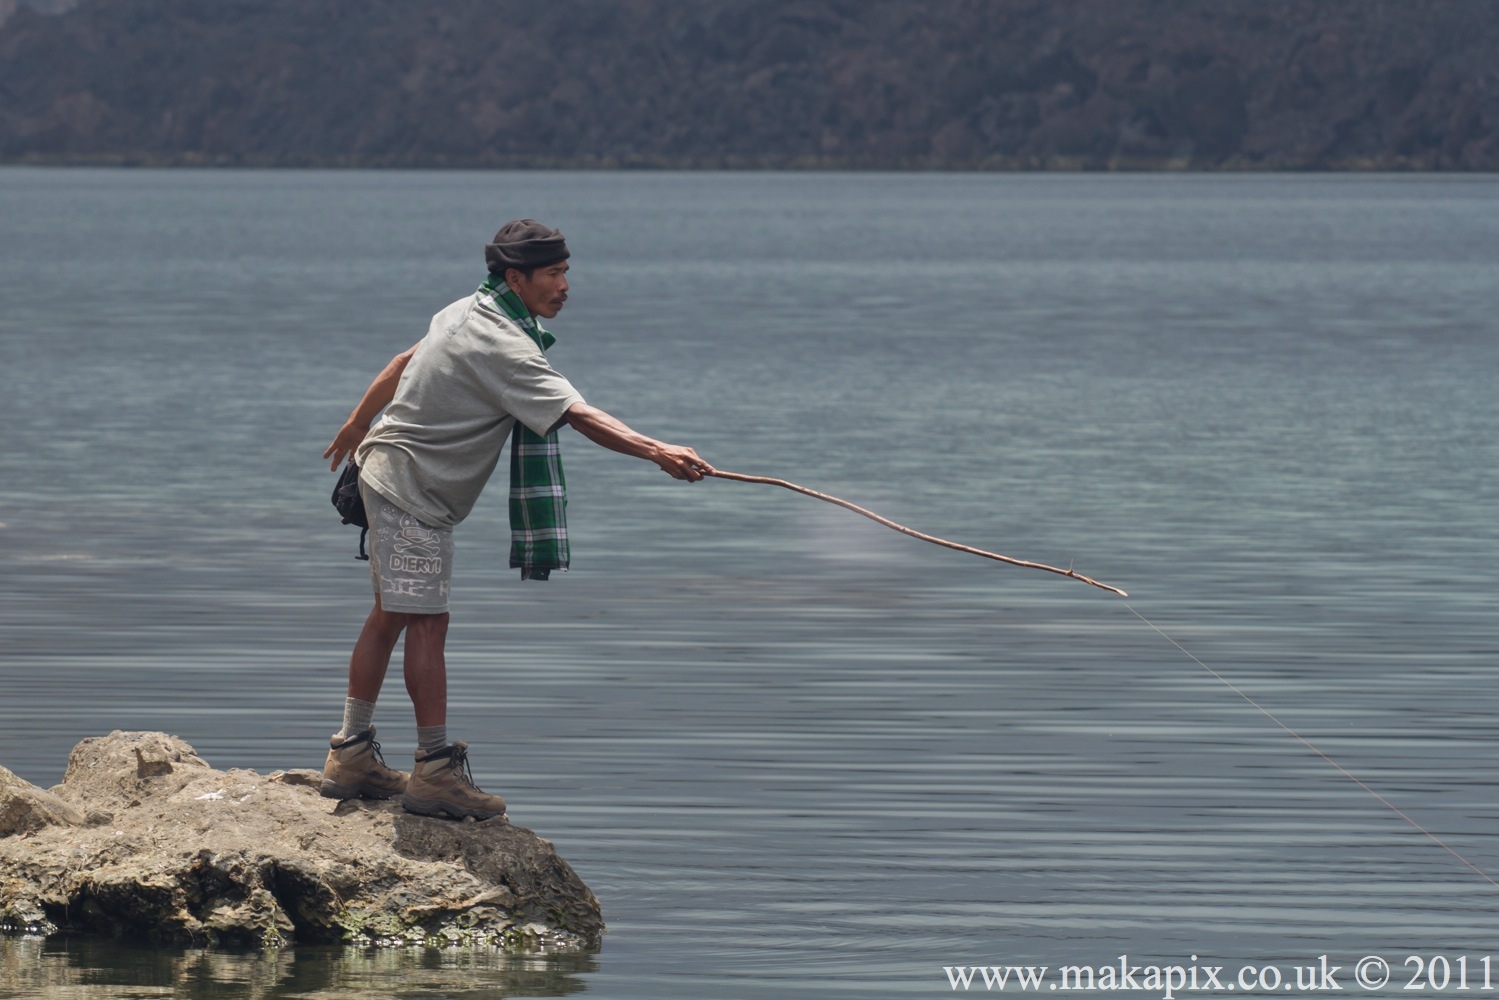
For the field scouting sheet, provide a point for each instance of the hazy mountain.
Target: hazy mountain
(878, 83)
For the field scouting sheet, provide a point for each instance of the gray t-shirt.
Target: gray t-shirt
(473, 375)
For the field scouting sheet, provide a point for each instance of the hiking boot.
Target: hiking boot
(355, 770)
(441, 785)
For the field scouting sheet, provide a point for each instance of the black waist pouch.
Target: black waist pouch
(350, 505)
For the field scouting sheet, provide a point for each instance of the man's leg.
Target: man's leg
(427, 678)
(354, 768)
(411, 571)
(371, 658)
(440, 782)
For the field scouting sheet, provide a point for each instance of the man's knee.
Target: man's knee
(393, 622)
(426, 626)
(399, 621)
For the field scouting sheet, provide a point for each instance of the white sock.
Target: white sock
(429, 738)
(357, 716)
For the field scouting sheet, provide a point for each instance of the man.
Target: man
(478, 379)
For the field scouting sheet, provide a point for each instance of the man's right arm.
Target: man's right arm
(611, 432)
(376, 398)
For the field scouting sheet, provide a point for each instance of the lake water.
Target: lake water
(794, 753)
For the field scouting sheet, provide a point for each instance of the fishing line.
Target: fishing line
(1068, 572)
(1307, 743)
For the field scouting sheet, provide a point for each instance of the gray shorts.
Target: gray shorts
(411, 562)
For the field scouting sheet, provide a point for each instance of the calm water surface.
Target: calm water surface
(796, 754)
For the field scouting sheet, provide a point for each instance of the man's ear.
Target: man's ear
(512, 282)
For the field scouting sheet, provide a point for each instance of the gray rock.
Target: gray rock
(143, 839)
(26, 809)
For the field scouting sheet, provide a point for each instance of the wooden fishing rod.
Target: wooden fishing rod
(913, 533)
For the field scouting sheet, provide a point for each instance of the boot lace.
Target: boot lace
(375, 750)
(458, 762)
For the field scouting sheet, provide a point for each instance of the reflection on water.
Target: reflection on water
(69, 969)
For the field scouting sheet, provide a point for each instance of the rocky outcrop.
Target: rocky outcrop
(143, 839)
(1028, 84)
(26, 809)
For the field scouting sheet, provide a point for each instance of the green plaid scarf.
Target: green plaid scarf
(538, 493)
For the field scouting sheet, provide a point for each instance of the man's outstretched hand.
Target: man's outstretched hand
(680, 463)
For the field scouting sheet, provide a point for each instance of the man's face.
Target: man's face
(544, 292)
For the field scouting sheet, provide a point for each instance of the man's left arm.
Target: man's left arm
(612, 433)
(376, 398)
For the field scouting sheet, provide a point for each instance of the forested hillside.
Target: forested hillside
(1093, 84)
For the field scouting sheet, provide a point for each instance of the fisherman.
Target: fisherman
(479, 378)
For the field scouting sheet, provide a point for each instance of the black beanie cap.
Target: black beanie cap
(525, 243)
